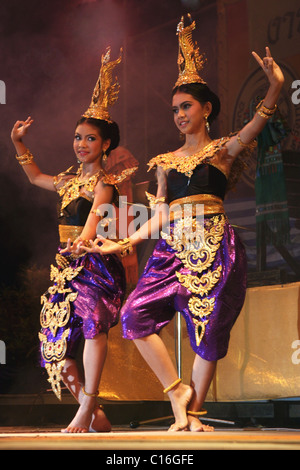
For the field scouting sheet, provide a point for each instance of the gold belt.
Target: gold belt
(69, 231)
(212, 204)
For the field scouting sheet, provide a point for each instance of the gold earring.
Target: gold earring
(207, 123)
(104, 156)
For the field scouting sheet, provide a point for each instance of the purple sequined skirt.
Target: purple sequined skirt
(84, 300)
(210, 300)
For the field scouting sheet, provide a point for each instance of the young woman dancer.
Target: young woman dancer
(206, 282)
(88, 289)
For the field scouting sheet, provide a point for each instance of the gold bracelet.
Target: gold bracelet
(26, 158)
(153, 201)
(173, 385)
(265, 112)
(242, 144)
(127, 248)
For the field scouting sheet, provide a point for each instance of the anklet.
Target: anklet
(166, 390)
(197, 413)
(93, 395)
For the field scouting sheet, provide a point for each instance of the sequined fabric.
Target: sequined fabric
(98, 287)
(160, 292)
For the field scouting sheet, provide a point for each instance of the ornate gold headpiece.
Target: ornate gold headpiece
(190, 61)
(105, 93)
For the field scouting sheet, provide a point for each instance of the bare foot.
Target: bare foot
(99, 423)
(83, 417)
(180, 397)
(195, 425)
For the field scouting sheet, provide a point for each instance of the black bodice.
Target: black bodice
(75, 213)
(206, 179)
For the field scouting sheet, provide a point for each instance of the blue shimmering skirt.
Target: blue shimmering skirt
(206, 284)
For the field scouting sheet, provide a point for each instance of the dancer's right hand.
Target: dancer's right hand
(107, 246)
(20, 129)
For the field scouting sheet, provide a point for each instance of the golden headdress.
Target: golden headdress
(190, 61)
(105, 93)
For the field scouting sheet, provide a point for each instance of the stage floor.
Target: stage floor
(153, 439)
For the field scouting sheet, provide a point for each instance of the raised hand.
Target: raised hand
(20, 129)
(269, 66)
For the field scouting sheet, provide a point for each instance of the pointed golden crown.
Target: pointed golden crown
(105, 93)
(190, 61)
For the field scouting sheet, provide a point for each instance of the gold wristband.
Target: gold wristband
(26, 158)
(127, 248)
(242, 144)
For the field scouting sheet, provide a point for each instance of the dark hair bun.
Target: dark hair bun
(114, 133)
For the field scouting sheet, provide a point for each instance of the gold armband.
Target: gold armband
(265, 112)
(126, 247)
(26, 158)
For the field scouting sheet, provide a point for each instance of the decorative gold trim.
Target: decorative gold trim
(187, 164)
(54, 373)
(69, 231)
(203, 285)
(198, 257)
(212, 204)
(56, 315)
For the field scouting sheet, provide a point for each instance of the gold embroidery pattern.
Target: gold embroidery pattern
(76, 186)
(187, 165)
(198, 255)
(56, 315)
(54, 373)
(201, 286)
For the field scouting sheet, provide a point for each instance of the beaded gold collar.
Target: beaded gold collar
(188, 164)
(74, 187)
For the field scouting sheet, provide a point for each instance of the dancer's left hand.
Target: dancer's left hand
(271, 69)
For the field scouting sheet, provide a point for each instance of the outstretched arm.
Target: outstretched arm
(152, 226)
(251, 130)
(25, 158)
